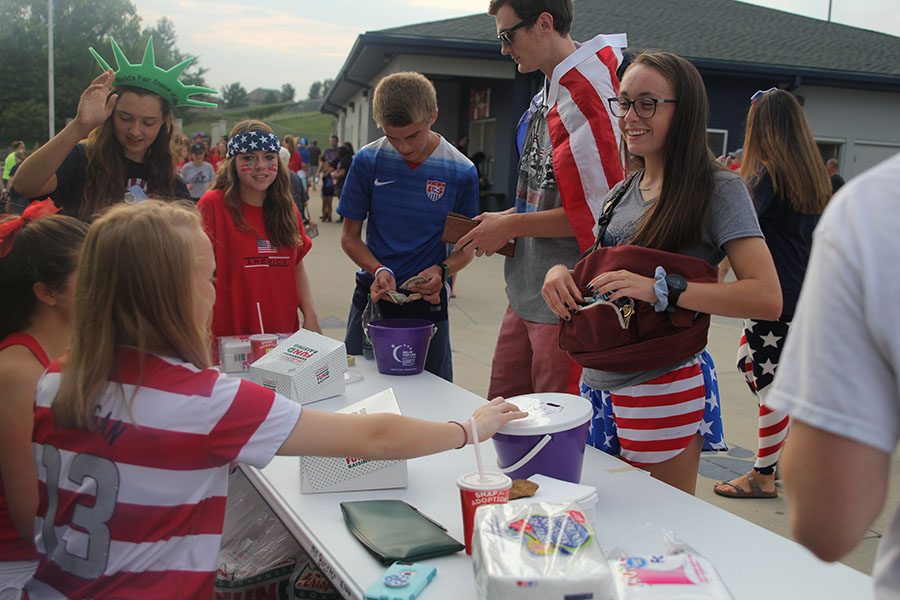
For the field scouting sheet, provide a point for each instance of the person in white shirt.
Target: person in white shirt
(838, 377)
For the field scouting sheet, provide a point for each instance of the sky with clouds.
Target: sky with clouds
(267, 44)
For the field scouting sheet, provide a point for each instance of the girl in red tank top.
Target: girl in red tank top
(38, 257)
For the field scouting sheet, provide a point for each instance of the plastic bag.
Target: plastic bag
(259, 558)
(371, 313)
(656, 565)
(538, 550)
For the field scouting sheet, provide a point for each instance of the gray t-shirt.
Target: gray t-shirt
(729, 216)
(198, 177)
(536, 191)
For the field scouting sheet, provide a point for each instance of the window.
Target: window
(830, 149)
(481, 139)
(717, 140)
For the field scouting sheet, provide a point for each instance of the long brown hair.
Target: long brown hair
(778, 137)
(104, 176)
(689, 166)
(135, 287)
(290, 144)
(45, 250)
(279, 210)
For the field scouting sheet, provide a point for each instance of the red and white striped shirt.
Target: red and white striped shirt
(138, 504)
(585, 136)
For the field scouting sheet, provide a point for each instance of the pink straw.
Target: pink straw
(259, 312)
(476, 444)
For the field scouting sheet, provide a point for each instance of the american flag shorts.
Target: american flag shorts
(654, 421)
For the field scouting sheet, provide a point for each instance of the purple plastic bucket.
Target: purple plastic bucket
(550, 441)
(401, 345)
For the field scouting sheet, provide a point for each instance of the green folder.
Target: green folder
(392, 530)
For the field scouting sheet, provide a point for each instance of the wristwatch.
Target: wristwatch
(445, 272)
(676, 284)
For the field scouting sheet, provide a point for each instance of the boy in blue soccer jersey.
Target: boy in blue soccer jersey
(405, 183)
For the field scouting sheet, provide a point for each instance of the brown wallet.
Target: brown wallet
(457, 226)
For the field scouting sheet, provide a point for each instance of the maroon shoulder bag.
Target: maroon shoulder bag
(630, 335)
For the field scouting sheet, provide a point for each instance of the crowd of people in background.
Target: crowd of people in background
(126, 249)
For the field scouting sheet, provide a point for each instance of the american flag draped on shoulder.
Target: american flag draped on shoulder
(585, 136)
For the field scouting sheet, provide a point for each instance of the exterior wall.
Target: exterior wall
(354, 120)
(449, 66)
(448, 95)
(729, 101)
(866, 124)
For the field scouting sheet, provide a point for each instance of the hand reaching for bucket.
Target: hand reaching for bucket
(492, 416)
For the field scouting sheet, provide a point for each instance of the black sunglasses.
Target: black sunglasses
(506, 35)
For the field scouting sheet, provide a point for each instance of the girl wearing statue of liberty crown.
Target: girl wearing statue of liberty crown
(129, 130)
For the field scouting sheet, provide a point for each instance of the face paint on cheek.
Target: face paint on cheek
(273, 167)
(245, 167)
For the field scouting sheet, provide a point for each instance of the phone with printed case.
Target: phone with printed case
(401, 581)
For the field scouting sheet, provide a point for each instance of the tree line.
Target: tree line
(78, 25)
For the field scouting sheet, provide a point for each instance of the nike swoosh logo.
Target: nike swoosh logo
(380, 183)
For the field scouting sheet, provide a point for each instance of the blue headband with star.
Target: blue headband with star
(252, 141)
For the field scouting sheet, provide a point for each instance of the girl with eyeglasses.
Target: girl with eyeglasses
(790, 187)
(682, 201)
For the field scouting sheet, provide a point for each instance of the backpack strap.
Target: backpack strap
(606, 214)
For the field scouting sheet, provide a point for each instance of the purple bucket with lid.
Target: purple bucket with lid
(549, 441)
(401, 345)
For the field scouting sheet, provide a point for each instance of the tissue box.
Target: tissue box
(321, 474)
(538, 550)
(234, 352)
(305, 367)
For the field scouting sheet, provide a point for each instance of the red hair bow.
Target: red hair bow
(9, 229)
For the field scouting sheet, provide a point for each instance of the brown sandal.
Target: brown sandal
(755, 490)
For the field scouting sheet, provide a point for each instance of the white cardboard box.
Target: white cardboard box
(324, 474)
(305, 367)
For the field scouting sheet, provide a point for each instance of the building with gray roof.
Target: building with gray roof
(847, 78)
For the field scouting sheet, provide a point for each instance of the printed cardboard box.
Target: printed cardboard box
(305, 367)
(320, 474)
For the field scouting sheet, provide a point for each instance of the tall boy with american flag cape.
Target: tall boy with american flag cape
(569, 161)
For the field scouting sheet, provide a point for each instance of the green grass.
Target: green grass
(311, 125)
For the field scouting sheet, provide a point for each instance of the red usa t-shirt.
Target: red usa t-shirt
(250, 269)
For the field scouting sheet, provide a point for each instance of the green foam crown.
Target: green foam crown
(150, 77)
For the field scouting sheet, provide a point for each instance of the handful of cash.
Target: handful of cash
(401, 298)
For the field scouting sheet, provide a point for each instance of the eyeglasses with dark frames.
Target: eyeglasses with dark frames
(760, 93)
(506, 36)
(644, 107)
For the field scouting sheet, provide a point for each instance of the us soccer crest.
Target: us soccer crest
(435, 190)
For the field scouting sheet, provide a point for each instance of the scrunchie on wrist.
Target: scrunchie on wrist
(662, 290)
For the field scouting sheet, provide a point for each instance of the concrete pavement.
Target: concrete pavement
(475, 316)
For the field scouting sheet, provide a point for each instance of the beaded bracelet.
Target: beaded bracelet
(465, 433)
